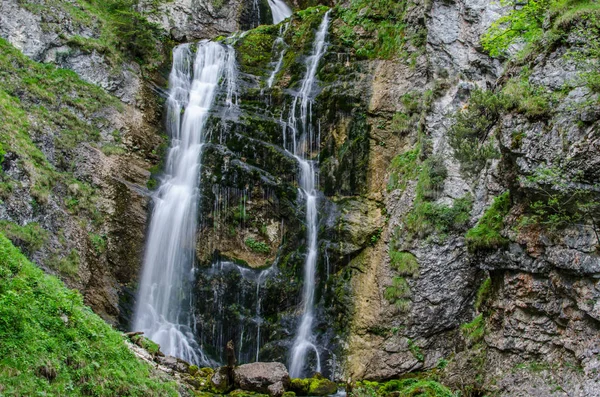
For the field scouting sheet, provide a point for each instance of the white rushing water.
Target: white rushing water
(302, 144)
(280, 10)
(164, 305)
(278, 47)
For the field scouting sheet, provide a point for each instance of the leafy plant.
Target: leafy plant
(475, 330)
(257, 246)
(470, 133)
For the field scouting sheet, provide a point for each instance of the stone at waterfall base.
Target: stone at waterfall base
(271, 378)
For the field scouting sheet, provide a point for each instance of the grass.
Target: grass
(404, 167)
(486, 234)
(51, 344)
(483, 293)
(474, 331)
(398, 294)
(471, 135)
(404, 263)
(30, 237)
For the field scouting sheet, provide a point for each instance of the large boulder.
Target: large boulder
(257, 377)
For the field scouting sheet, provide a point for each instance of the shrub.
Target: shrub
(486, 234)
(51, 344)
(472, 127)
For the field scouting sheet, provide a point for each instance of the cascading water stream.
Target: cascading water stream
(280, 10)
(164, 306)
(302, 143)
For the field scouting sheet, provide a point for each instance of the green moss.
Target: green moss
(51, 344)
(254, 49)
(485, 234)
(148, 345)
(317, 386)
(413, 387)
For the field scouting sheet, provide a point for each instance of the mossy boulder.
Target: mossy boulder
(317, 386)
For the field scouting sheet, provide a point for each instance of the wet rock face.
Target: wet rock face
(261, 377)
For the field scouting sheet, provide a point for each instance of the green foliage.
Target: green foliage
(483, 293)
(376, 236)
(67, 265)
(150, 346)
(527, 99)
(120, 31)
(409, 387)
(51, 344)
(381, 23)
(403, 168)
(257, 246)
(558, 200)
(37, 98)
(474, 331)
(486, 234)
(415, 350)
(432, 175)
(472, 128)
(98, 242)
(404, 263)
(523, 24)
(30, 237)
(398, 294)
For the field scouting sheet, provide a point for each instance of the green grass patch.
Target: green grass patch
(30, 237)
(398, 294)
(485, 234)
(404, 263)
(474, 331)
(483, 293)
(51, 344)
(404, 167)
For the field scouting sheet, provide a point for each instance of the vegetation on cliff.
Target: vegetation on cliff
(51, 344)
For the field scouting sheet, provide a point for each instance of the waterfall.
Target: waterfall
(164, 305)
(302, 143)
(278, 45)
(280, 10)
